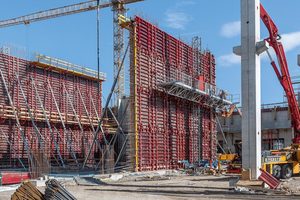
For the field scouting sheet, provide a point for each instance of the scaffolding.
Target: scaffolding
(49, 110)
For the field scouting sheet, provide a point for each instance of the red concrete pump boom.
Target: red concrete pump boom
(282, 73)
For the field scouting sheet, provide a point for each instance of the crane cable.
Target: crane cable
(98, 49)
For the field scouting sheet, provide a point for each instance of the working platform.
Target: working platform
(209, 96)
(61, 66)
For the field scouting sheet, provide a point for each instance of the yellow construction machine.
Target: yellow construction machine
(230, 162)
(282, 163)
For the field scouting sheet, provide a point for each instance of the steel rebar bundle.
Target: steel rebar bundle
(55, 191)
(27, 191)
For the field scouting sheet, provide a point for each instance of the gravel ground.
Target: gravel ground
(180, 187)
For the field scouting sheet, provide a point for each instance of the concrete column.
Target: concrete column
(251, 88)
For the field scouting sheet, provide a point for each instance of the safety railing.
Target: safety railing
(274, 105)
(69, 66)
(16, 51)
(22, 53)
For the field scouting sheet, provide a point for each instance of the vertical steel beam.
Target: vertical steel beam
(200, 134)
(251, 89)
(137, 101)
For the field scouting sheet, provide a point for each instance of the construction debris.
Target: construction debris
(291, 186)
(27, 191)
(270, 180)
(243, 190)
(258, 190)
(55, 191)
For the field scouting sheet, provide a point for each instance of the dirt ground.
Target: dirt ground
(184, 187)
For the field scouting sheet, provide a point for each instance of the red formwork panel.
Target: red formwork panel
(12, 148)
(11, 177)
(169, 127)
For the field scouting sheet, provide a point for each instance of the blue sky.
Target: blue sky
(73, 38)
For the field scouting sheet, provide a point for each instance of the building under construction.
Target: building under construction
(48, 109)
(174, 99)
(157, 125)
(52, 120)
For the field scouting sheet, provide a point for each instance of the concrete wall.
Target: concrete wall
(276, 124)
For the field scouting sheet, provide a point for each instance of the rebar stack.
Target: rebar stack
(27, 191)
(55, 191)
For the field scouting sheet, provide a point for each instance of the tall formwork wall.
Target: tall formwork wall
(168, 129)
(46, 115)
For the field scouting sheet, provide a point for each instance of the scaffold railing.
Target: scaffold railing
(16, 51)
(65, 65)
(22, 53)
(274, 105)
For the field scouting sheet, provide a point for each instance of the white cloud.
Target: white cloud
(177, 19)
(229, 59)
(231, 29)
(291, 41)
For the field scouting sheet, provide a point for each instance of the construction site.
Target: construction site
(154, 122)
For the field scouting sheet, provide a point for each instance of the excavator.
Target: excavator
(285, 162)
